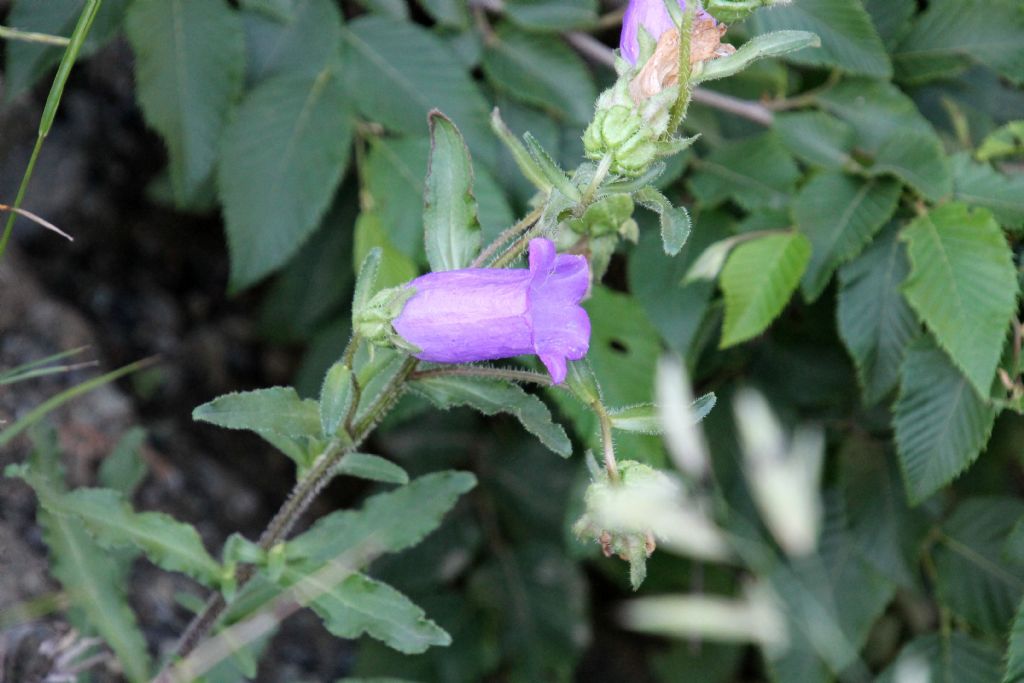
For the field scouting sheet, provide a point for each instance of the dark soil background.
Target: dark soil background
(139, 280)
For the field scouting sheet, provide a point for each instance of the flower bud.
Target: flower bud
(621, 132)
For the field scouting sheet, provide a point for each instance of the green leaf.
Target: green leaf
(401, 72)
(975, 580)
(757, 172)
(283, 155)
(26, 62)
(300, 45)
(124, 469)
(848, 38)
(173, 545)
(392, 267)
(891, 129)
(963, 285)
(453, 13)
(336, 397)
(189, 67)
(675, 221)
(393, 180)
(551, 15)
(553, 173)
(891, 18)
(987, 31)
(497, 396)
(960, 658)
(941, 425)
(361, 605)
(93, 578)
(1007, 141)
(875, 322)
(1015, 651)
(366, 278)
(277, 410)
(982, 185)
(816, 138)
(541, 70)
(371, 467)
(644, 418)
(767, 45)
(389, 522)
(758, 280)
(451, 226)
(840, 214)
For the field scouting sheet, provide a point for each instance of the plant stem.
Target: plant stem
(524, 224)
(610, 464)
(8, 33)
(85, 20)
(300, 498)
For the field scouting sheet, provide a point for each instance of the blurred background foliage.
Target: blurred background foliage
(302, 123)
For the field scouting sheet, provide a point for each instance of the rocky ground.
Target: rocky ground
(139, 280)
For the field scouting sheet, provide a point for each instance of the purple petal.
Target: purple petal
(652, 15)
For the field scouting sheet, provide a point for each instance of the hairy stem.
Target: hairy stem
(610, 465)
(301, 497)
(525, 224)
(527, 376)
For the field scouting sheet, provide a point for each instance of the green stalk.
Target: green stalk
(50, 109)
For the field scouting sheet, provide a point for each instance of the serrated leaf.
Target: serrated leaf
(848, 38)
(189, 69)
(675, 221)
(361, 605)
(982, 185)
(757, 172)
(987, 31)
(491, 397)
(891, 18)
(451, 226)
(301, 43)
(774, 44)
(393, 177)
(758, 280)
(963, 285)
(25, 62)
(371, 467)
(890, 128)
(1015, 650)
(960, 659)
(173, 545)
(277, 410)
(875, 322)
(941, 424)
(975, 580)
(542, 71)
(283, 156)
(401, 72)
(124, 468)
(839, 214)
(388, 522)
(551, 15)
(816, 138)
(336, 395)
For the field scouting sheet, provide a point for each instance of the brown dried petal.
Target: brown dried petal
(662, 69)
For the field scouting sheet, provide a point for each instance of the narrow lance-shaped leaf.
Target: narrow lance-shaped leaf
(171, 544)
(760, 47)
(366, 281)
(495, 396)
(450, 220)
(963, 285)
(645, 419)
(530, 169)
(336, 397)
(124, 468)
(389, 521)
(277, 410)
(675, 221)
(372, 467)
(550, 168)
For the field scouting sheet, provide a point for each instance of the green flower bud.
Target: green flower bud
(621, 132)
(605, 216)
(374, 322)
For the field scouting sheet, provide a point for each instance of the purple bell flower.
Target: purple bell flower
(652, 15)
(475, 314)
